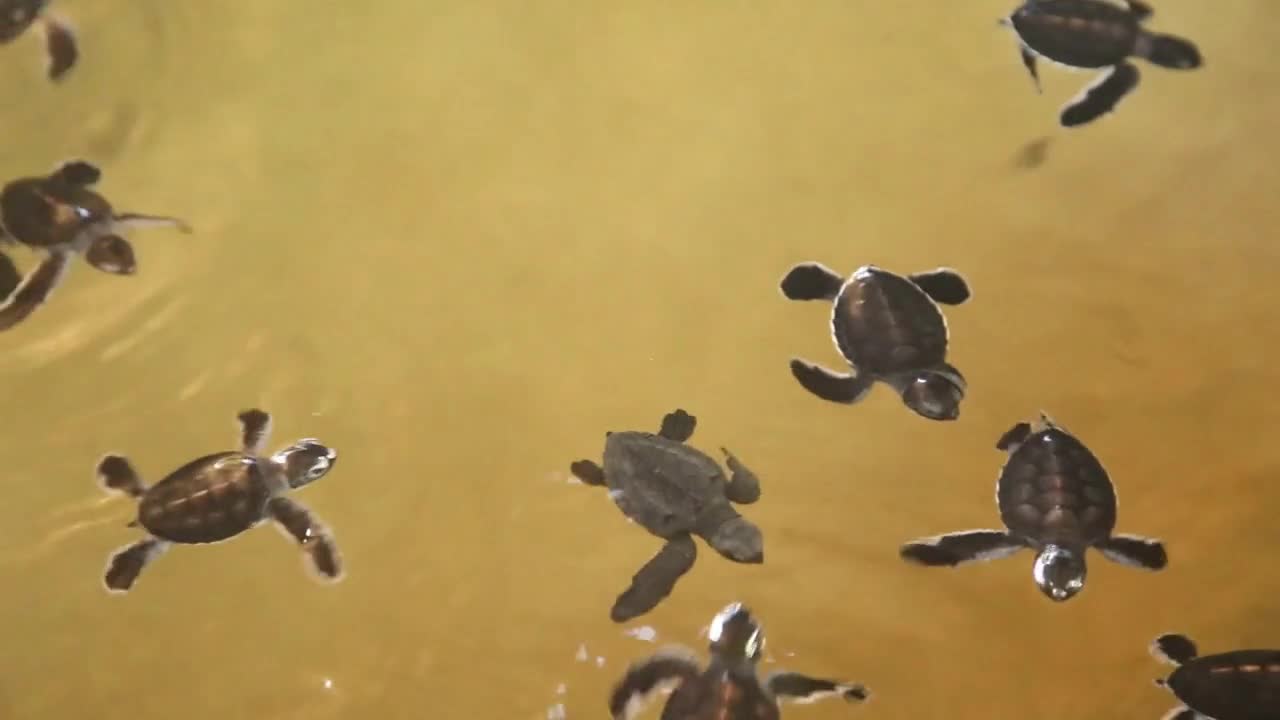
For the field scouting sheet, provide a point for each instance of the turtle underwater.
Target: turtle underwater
(888, 328)
(17, 16)
(60, 215)
(1235, 685)
(218, 496)
(1095, 34)
(729, 688)
(1054, 498)
(674, 491)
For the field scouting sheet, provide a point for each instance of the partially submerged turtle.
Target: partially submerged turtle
(17, 16)
(729, 688)
(1235, 685)
(1054, 498)
(888, 328)
(60, 215)
(1092, 34)
(219, 496)
(674, 491)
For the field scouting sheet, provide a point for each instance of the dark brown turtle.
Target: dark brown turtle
(729, 688)
(60, 215)
(17, 16)
(1235, 685)
(674, 491)
(888, 328)
(1091, 34)
(219, 496)
(1055, 498)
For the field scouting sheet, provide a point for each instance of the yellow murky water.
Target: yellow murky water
(459, 241)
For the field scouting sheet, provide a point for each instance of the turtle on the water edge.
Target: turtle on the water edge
(729, 687)
(219, 496)
(674, 491)
(1054, 498)
(889, 328)
(1095, 34)
(1234, 685)
(60, 215)
(17, 16)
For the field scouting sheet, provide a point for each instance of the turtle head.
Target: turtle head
(935, 394)
(1059, 572)
(735, 635)
(305, 461)
(739, 540)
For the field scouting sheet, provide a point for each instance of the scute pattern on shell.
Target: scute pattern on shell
(884, 324)
(662, 484)
(207, 500)
(1238, 685)
(1079, 33)
(1053, 489)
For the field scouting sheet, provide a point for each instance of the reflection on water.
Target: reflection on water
(460, 241)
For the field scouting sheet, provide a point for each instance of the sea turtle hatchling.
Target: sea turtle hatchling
(17, 16)
(1055, 498)
(1093, 34)
(219, 496)
(60, 215)
(1235, 685)
(674, 490)
(729, 688)
(888, 328)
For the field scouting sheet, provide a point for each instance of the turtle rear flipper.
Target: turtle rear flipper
(811, 281)
(662, 671)
(656, 579)
(1134, 551)
(959, 548)
(678, 425)
(944, 285)
(1102, 96)
(61, 46)
(1168, 51)
(127, 563)
(1014, 436)
(34, 290)
(1174, 648)
(830, 385)
(804, 689)
(77, 172)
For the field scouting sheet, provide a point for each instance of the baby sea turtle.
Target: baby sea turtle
(888, 328)
(1055, 498)
(729, 688)
(16, 16)
(1090, 34)
(219, 496)
(1236, 685)
(673, 490)
(60, 215)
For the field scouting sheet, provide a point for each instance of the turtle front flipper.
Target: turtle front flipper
(804, 689)
(744, 486)
(116, 474)
(9, 276)
(255, 430)
(1174, 649)
(1029, 62)
(1013, 437)
(660, 672)
(656, 579)
(1134, 551)
(678, 425)
(34, 290)
(944, 285)
(314, 537)
(1182, 712)
(142, 220)
(112, 254)
(811, 281)
(959, 548)
(127, 563)
(61, 46)
(830, 385)
(1100, 97)
(588, 472)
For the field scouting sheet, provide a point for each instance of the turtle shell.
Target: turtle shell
(18, 15)
(1052, 489)
(209, 499)
(664, 485)
(885, 324)
(718, 694)
(1079, 33)
(1237, 685)
(44, 213)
